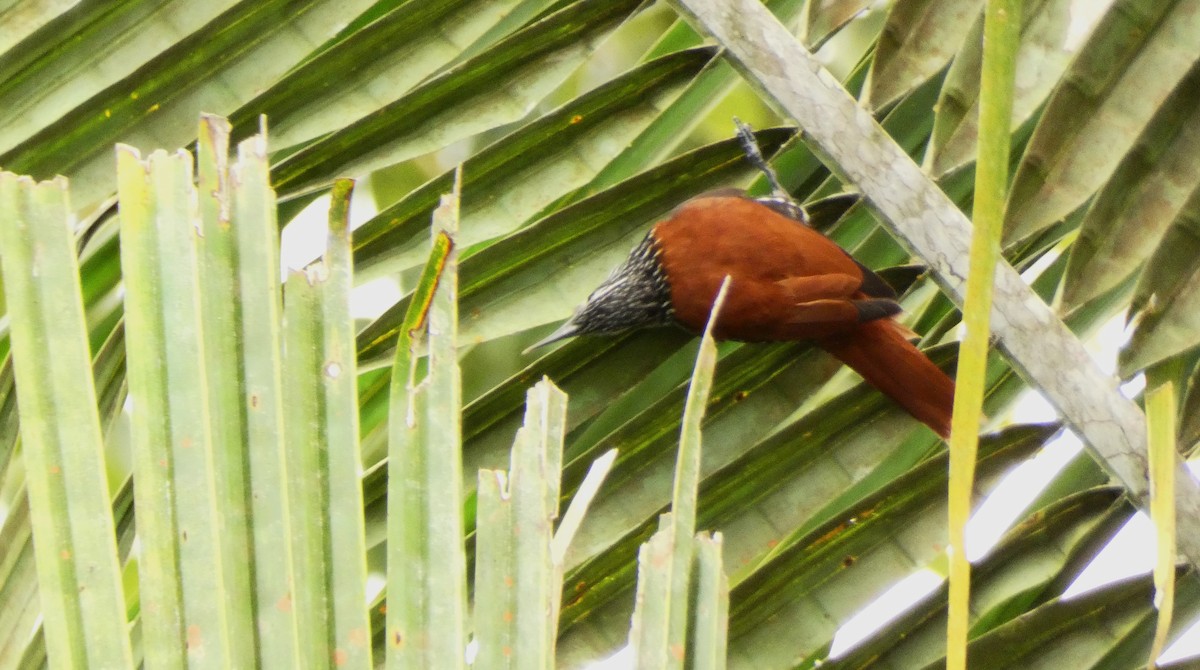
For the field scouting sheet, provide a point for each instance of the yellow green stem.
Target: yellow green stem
(1001, 29)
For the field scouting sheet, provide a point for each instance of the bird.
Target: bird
(788, 282)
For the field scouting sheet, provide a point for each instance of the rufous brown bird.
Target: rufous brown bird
(788, 282)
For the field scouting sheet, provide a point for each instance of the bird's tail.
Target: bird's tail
(879, 351)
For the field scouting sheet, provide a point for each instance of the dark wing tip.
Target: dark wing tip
(876, 308)
(874, 285)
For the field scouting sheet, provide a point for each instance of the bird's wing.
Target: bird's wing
(874, 285)
(818, 287)
(833, 298)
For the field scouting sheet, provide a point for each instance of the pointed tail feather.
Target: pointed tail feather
(879, 352)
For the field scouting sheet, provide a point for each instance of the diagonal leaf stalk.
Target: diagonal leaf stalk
(918, 212)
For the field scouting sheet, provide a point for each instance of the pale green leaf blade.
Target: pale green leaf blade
(582, 499)
(1042, 57)
(187, 419)
(1030, 566)
(323, 458)
(918, 40)
(22, 19)
(535, 479)
(1079, 632)
(711, 615)
(504, 189)
(257, 327)
(18, 582)
(518, 579)
(1145, 194)
(161, 590)
(659, 632)
(703, 92)
(371, 68)
(346, 566)
(499, 86)
(228, 53)
(824, 18)
(426, 561)
(64, 461)
(216, 265)
(308, 476)
(172, 431)
(496, 601)
(649, 630)
(1129, 65)
(322, 422)
(1160, 418)
(687, 462)
(80, 52)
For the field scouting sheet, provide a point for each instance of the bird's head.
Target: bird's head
(635, 295)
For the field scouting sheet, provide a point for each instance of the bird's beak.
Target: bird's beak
(568, 329)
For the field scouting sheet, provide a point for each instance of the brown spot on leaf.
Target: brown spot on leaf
(194, 638)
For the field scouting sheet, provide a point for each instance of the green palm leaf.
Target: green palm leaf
(825, 494)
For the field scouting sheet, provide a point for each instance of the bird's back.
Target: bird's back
(775, 263)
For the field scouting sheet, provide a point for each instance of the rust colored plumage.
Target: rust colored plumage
(789, 282)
